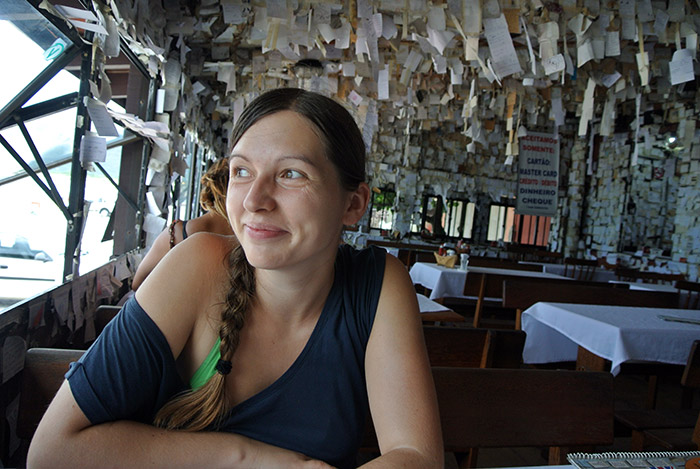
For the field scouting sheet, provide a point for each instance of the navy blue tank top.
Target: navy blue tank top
(317, 407)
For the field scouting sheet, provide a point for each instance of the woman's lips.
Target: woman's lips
(264, 231)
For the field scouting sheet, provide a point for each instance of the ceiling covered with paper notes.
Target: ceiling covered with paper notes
(439, 88)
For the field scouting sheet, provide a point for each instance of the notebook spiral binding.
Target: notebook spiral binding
(629, 455)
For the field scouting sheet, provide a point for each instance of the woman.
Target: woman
(212, 199)
(284, 339)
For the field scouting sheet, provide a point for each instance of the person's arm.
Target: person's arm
(178, 305)
(159, 248)
(399, 382)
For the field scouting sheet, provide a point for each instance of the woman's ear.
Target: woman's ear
(357, 205)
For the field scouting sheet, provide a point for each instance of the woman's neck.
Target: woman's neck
(295, 294)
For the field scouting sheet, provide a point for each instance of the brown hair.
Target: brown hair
(214, 182)
(198, 409)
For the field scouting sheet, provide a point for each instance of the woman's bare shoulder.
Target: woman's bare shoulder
(194, 269)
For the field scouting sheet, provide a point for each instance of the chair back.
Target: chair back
(690, 294)
(43, 374)
(496, 263)
(580, 269)
(521, 294)
(462, 347)
(493, 408)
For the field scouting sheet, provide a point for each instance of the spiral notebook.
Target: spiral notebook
(660, 460)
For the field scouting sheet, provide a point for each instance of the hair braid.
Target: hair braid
(196, 410)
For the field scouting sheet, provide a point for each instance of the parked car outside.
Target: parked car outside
(24, 272)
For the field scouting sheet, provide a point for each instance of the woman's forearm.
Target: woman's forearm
(130, 444)
(406, 458)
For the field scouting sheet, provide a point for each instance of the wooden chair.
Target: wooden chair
(580, 269)
(672, 429)
(690, 294)
(633, 275)
(44, 370)
(491, 408)
(104, 314)
(496, 263)
(520, 294)
(461, 347)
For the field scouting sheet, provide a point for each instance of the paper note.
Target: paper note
(93, 148)
(681, 67)
(13, 350)
(100, 118)
(471, 17)
(505, 60)
(554, 64)
(612, 43)
(643, 67)
(383, 84)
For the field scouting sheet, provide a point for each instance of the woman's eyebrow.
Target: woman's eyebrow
(302, 158)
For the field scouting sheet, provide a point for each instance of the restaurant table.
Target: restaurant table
(449, 282)
(432, 311)
(557, 331)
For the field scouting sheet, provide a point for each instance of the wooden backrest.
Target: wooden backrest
(494, 283)
(580, 269)
(691, 372)
(424, 256)
(491, 408)
(626, 273)
(103, 315)
(474, 348)
(43, 374)
(496, 263)
(690, 291)
(521, 294)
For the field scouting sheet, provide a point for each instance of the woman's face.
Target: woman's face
(284, 200)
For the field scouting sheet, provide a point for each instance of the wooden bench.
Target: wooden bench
(520, 294)
(474, 348)
(43, 374)
(672, 430)
(492, 408)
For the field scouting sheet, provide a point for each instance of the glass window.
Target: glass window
(35, 43)
(382, 214)
(500, 223)
(432, 220)
(460, 218)
(532, 229)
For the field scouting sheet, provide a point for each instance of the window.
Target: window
(500, 223)
(455, 219)
(460, 218)
(382, 214)
(532, 229)
(432, 220)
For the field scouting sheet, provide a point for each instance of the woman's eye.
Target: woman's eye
(291, 174)
(240, 172)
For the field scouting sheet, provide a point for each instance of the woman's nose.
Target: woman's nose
(260, 195)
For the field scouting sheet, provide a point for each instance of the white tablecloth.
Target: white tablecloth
(449, 282)
(616, 333)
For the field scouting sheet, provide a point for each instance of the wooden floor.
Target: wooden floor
(630, 392)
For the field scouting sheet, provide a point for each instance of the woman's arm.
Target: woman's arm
(179, 305)
(399, 382)
(65, 438)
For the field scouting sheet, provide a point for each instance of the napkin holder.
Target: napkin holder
(447, 261)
